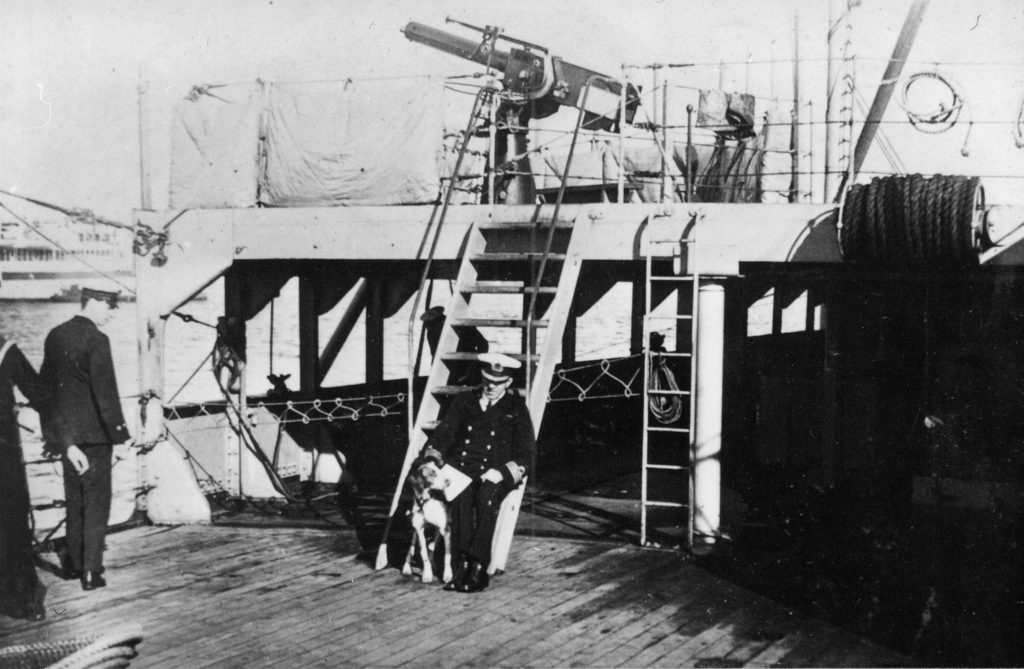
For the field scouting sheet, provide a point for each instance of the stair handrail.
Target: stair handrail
(539, 276)
(483, 96)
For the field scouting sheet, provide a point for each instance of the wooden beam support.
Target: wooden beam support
(374, 329)
(309, 336)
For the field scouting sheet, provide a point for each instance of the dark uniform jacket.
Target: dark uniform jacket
(473, 441)
(15, 370)
(84, 405)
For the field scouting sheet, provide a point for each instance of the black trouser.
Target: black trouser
(88, 508)
(18, 581)
(474, 513)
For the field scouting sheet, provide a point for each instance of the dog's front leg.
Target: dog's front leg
(407, 567)
(447, 534)
(428, 568)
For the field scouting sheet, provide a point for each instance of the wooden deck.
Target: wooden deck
(217, 596)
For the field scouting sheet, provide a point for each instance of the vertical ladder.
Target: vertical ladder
(663, 454)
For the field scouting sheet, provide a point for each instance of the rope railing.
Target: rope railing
(603, 379)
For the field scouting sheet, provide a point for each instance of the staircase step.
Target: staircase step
(524, 225)
(509, 287)
(506, 257)
(495, 323)
(456, 390)
(469, 356)
(671, 505)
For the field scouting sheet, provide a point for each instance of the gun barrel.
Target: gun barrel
(455, 45)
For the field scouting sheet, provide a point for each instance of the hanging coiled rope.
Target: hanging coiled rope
(943, 118)
(913, 221)
(665, 408)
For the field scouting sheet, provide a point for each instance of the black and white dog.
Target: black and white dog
(429, 508)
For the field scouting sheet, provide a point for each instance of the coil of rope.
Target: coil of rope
(942, 119)
(666, 409)
(913, 221)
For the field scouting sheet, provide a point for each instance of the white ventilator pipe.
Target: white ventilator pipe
(707, 470)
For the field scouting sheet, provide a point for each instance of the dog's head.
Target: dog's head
(424, 476)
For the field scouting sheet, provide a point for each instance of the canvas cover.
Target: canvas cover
(326, 144)
(215, 148)
(344, 143)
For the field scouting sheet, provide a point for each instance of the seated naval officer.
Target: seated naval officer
(83, 420)
(486, 434)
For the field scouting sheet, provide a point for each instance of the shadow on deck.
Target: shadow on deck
(238, 596)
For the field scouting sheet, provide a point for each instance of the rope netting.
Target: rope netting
(304, 411)
(601, 379)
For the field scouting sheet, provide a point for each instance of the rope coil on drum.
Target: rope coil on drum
(914, 221)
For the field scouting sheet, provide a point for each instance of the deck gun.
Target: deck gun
(536, 85)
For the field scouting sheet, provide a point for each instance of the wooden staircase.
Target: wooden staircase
(503, 258)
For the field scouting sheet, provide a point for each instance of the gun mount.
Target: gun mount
(536, 85)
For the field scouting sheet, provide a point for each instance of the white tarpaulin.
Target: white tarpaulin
(353, 144)
(215, 148)
(777, 163)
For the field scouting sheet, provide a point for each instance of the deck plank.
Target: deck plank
(215, 596)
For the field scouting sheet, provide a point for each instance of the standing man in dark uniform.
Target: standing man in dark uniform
(487, 435)
(21, 592)
(84, 420)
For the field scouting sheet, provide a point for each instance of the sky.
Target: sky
(70, 71)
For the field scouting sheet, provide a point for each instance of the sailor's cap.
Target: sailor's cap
(102, 295)
(496, 366)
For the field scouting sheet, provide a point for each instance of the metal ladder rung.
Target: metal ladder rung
(668, 392)
(668, 467)
(672, 317)
(681, 278)
(672, 354)
(651, 428)
(672, 505)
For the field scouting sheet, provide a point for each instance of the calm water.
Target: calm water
(272, 347)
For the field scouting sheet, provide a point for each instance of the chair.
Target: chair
(508, 516)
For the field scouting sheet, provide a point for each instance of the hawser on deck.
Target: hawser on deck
(831, 418)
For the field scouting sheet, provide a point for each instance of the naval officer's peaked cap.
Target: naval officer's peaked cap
(103, 295)
(496, 366)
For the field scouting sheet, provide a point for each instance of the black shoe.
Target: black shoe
(476, 578)
(92, 580)
(68, 571)
(461, 569)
